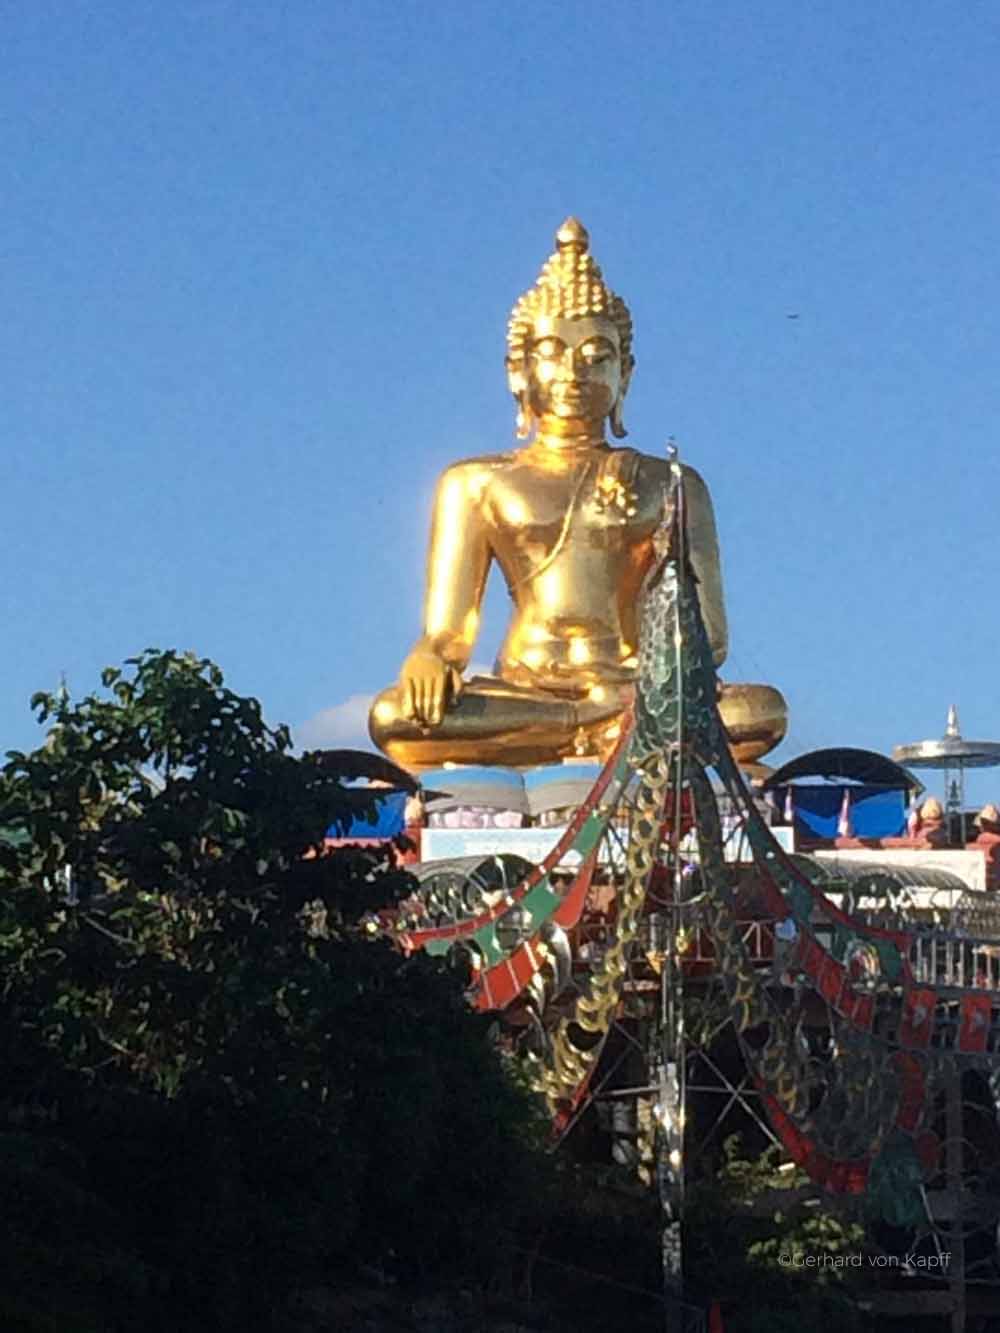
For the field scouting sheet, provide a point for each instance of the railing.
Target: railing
(950, 960)
(937, 958)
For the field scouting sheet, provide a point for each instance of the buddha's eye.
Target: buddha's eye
(548, 348)
(596, 353)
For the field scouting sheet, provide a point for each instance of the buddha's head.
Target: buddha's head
(569, 343)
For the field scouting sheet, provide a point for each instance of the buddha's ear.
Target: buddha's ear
(516, 376)
(615, 417)
(518, 382)
(525, 418)
(615, 420)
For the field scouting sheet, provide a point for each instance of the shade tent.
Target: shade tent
(535, 792)
(490, 788)
(860, 792)
(355, 765)
(387, 821)
(845, 764)
(873, 812)
(559, 786)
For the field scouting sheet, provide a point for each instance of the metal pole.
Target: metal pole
(670, 1159)
(953, 1167)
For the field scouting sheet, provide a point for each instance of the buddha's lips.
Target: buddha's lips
(570, 397)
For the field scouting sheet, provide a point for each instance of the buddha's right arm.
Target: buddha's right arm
(457, 565)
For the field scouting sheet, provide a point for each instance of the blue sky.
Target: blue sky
(257, 260)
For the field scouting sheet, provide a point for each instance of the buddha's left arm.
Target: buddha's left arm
(703, 545)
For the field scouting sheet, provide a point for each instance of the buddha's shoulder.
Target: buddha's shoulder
(482, 463)
(473, 475)
(658, 470)
(481, 468)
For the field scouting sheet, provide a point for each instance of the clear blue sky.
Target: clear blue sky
(257, 260)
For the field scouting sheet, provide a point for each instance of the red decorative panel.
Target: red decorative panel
(918, 1017)
(864, 1011)
(912, 1091)
(503, 982)
(975, 1023)
(830, 982)
(810, 954)
(858, 1007)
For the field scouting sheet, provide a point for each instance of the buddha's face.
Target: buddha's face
(573, 368)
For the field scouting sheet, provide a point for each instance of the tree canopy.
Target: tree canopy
(218, 1087)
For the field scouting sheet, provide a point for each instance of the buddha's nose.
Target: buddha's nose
(568, 366)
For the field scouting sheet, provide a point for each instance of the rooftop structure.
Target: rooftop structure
(952, 754)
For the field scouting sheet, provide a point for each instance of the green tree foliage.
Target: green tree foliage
(217, 1086)
(746, 1225)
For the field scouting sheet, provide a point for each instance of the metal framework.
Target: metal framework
(860, 1034)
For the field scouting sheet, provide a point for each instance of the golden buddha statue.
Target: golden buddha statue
(570, 520)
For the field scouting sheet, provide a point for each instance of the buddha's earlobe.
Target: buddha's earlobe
(522, 421)
(615, 420)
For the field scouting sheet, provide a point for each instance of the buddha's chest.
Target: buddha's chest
(588, 508)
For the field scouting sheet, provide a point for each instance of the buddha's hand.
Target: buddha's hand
(427, 685)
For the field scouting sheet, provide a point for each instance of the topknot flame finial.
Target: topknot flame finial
(573, 235)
